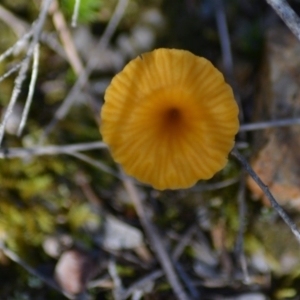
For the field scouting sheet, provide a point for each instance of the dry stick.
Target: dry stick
(84, 76)
(214, 186)
(95, 163)
(269, 124)
(184, 241)
(52, 42)
(16, 91)
(21, 41)
(118, 288)
(156, 242)
(67, 149)
(36, 55)
(21, 26)
(224, 38)
(18, 26)
(141, 282)
(103, 282)
(239, 248)
(158, 273)
(66, 38)
(287, 14)
(22, 74)
(12, 70)
(226, 49)
(75, 13)
(194, 294)
(49, 150)
(49, 281)
(267, 192)
(99, 165)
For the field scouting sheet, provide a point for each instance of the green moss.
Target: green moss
(88, 9)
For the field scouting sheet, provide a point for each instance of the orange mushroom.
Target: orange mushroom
(169, 119)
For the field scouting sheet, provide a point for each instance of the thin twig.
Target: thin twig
(141, 282)
(49, 150)
(95, 163)
(224, 38)
(105, 282)
(118, 288)
(158, 273)
(22, 73)
(287, 14)
(75, 13)
(187, 281)
(21, 41)
(184, 241)
(52, 42)
(226, 50)
(36, 55)
(16, 91)
(21, 27)
(12, 70)
(241, 145)
(65, 149)
(267, 192)
(84, 75)
(18, 26)
(214, 186)
(66, 38)
(155, 241)
(239, 248)
(49, 281)
(242, 210)
(269, 124)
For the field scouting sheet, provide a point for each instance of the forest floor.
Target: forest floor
(73, 226)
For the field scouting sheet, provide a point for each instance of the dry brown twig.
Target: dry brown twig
(66, 37)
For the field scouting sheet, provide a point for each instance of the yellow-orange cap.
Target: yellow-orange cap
(169, 119)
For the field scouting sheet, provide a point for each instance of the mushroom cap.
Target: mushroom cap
(169, 119)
